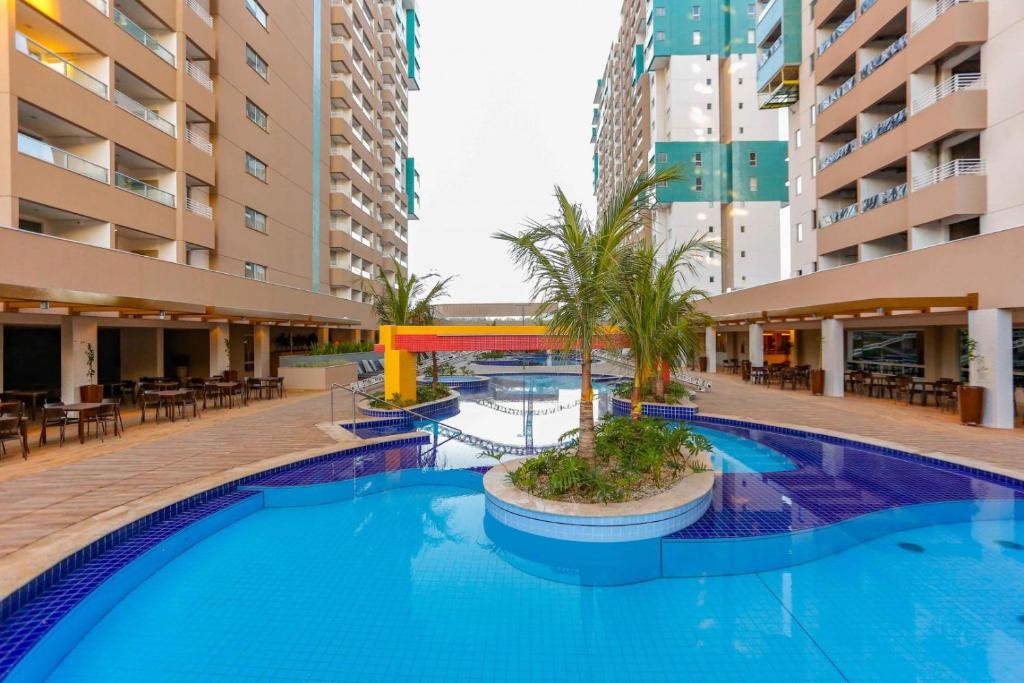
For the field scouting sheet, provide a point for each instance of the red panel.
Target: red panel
(421, 343)
(379, 348)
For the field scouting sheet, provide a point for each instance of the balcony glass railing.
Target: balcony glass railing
(953, 84)
(893, 194)
(31, 48)
(883, 127)
(767, 54)
(950, 169)
(136, 186)
(837, 216)
(38, 149)
(198, 140)
(141, 112)
(843, 27)
(866, 5)
(838, 154)
(886, 55)
(101, 5)
(834, 96)
(139, 34)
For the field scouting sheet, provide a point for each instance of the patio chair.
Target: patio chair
(116, 402)
(106, 415)
(903, 388)
(53, 415)
(190, 399)
(946, 395)
(11, 429)
(149, 399)
(128, 388)
(278, 386)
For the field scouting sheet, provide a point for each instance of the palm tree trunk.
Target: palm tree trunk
(636, 408)
(587, 447)
(659, 380)
(433, 358)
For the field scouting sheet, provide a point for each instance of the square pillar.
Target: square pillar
(711, 348)
(833, 357)
(755, 344)
(992, 366)
(76, 334)
(219, 358)
(1, 358)
(261, 350)
(323, 335)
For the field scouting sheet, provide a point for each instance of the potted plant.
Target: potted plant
(702, 363)
(971, 398)
(91, 392)
(229, 374)
(817, 375)
(181, 362)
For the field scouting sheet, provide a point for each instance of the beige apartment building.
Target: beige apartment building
(197, 184)
(906, 208)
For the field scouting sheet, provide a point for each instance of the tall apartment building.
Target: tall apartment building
(679, 89)
(903, 128)
(180, 172)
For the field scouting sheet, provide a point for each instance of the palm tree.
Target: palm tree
(573, 263)
(660, 320)
(407, 301)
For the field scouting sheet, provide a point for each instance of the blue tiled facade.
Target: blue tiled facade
(621, 406)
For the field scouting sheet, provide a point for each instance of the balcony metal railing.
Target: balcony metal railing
(198, 208)
(38, 149)
(866, 5)
(201, 12)
(946, 88)
(141, 112)
(886, 55)
(950, 169)
(46, 57)
(839, 215)
(834, 96)
(198, 75)
(883, 127)
(843, 27)
(764, 11)
(100, 5)
(893, 194)
(767, 54)
(140, 34)
(136, 186)
(838, 154)
(198, 140)
(932, 13)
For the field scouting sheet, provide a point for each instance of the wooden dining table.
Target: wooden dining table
(83, 410)
(167, 397)
(925, 387)
(29, 396)
(226, 391)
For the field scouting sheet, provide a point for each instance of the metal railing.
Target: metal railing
(140, 111)
(48, 58)
(764, 11)
(838, 154)
(201, 12)
(843, 27)
(698, 383)
(450, 431)
(893, 194)
(136, 186)
(767, 54)
(38, 149)
(883, 127)
(887, 54)
(838, 215)
(198, 140)
(953, 84)
(198, 75)
(834, 96)
(100, 5)
(198, 208)
(866, 5)
(932, 13)
(950, 169)
(140, 34)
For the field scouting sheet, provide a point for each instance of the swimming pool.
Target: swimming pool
(820, 559)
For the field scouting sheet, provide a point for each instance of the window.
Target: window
(660, 35)
(258, 64)
(743, 228)
(743, 254)
(707, 81)
(711, 279)
(741, 105)
(698, 160)
(698, 184)
(753, 183)
(750, 36)
(752, 10)
(711, 228)
(662, 158)
(254, 271)
(739, 81)
(695, 12)
(255, 220)
(255, 167)
(814, 167)
(752, 159)
(741, 130)
(799, 232)
(696, 37)
(257, 11)
(799, 184)
(814, 114)
(708, 107)
(659, 11)
(798, 138)
(709, 131)
(255, 114)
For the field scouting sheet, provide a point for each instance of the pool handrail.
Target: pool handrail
(450, 431)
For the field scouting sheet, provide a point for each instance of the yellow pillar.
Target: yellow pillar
(399, 368)
(323, 335)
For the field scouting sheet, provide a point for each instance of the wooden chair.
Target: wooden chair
(107, 415)
(149, 399)
(190, 399)
(116, 402)
(12, 428)
(53, 415)
(946, 395)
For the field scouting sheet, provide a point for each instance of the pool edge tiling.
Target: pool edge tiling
(29, 613)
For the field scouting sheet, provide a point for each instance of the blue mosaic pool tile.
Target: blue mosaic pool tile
(461, 382)
(436, 410)
(622, 406)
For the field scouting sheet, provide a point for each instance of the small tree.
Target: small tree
(90, 362)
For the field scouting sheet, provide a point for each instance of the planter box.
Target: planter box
(318, 378)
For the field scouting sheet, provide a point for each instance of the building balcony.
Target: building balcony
(768, 20)
(143, 37)
(197, 74)
(143, 189)
(887, 216)
(951, 191)
(198, 140)
(58, 64)
(201, 12)
(55, 156)
(198, 208)
(143, 113)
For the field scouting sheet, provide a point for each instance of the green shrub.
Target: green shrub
(490, 355)
(635, 459)
(423, 395)
(675, 393)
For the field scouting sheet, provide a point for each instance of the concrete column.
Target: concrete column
(261, 350)
(992, 365)
(1, 358)
(755, 344)
(323, 334)
(76, 334)
(833, 357)
(711, 348)
(219, 359)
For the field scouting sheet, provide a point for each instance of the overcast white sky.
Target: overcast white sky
(502, 116)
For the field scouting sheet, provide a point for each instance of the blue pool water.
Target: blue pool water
(406, 585)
